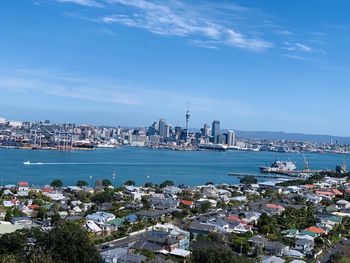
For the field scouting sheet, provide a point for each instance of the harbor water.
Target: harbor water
(144, 165)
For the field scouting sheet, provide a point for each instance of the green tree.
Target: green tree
(70, 243)
(215, 254)
(129, 183)
(148, 184)
(166, 184)
(106, 182)
(103, 197)
(82, 183)
(56, 183)
(248, 180)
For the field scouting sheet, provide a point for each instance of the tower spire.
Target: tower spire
(187, 118)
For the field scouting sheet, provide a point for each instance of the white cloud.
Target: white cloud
(91, 3)
(178, 19)
(298, 47)
(58, 84)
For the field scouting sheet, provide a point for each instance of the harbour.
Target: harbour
(145, 164)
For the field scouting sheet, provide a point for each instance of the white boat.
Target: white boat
(279, 167)
(26, 163)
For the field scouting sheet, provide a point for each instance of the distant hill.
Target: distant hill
(292, 136)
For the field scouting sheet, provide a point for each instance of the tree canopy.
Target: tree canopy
(82, 183)
(166, 184)
(67, 243)
(56, 183)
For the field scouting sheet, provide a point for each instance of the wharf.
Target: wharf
(264, 176)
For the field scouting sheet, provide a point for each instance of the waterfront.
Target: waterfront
(142, 165)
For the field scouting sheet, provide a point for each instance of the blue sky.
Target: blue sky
(254, 65)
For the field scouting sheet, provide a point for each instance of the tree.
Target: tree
(82, 183)
(148, 184)
(129, 183)
(215, 254)
(70, 243)
(106, 182)
(248, 180)
(166, 184)
(103, 197)
(56, 183)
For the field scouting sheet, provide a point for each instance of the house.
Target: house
(197, 228)
(172, 190)
(272, 259)
(276, 248)
(131, 258)
(93, 227)
(100, 217)
(251, 217)
(21, 220)
(304, 246)
(258, 241)
(315, 199)
(294, 254)
(169, 230)
(111, 255)
(186, 203)
(152, 214)
(2, 214)
(274, 209)
(343, 204)
(318, 231)
(164, 204)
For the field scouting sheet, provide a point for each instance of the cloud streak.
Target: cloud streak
(58, 84)
(90, 3)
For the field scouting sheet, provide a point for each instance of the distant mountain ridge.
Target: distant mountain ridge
(292, 136)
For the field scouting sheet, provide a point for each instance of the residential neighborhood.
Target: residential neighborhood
(259, 222)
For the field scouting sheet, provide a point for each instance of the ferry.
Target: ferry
(279, 167)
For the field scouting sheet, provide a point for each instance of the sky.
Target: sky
(254, 65)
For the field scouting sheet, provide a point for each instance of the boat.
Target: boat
(26, 163)
(279, 167)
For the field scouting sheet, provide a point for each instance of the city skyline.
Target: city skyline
(253, 66)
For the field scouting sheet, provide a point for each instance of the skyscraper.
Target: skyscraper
(215, 130)
(206, 130)
(231, 138)
(162, 128)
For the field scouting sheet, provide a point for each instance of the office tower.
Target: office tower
(162, 129)
(231, 138)
(206, 130)
(215, 130)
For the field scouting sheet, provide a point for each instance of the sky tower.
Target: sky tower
(187, 118)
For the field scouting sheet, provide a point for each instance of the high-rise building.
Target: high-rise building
(215, 130)
(231, 138)
(206, 130)
(162, 129)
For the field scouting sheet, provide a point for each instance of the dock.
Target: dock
(262, 176)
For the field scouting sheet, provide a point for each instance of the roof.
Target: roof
(23, 184)
(316, 230)
(187, 202)
(272, 259)
(116, 222)
(34, 206)
(309, 233)
(9, 228)
(180, 252)
(274, 206)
